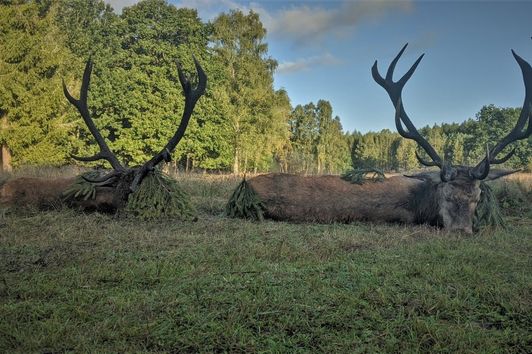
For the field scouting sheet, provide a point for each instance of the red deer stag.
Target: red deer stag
(113, 188)
(447, 198)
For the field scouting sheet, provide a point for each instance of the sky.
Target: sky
(325, 50)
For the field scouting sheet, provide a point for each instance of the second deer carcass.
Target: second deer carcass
(447, 198)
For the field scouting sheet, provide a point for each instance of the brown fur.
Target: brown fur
(42, 193)
(46, 193)
(330, 199)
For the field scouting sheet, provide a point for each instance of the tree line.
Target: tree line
(241, 124)
(462, 144)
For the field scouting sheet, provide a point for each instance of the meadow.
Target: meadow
(74, 282)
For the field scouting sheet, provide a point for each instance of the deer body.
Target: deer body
(327, 199)
(36, 192)
(47, 193)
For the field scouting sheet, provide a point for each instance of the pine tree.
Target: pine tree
(33, 60)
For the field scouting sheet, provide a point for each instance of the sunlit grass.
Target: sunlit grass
(523, 178)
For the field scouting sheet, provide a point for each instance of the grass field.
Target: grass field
(72, 282)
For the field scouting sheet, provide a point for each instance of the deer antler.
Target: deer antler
(394, 90)
(81, 104)
(191, 97)
(517, 133)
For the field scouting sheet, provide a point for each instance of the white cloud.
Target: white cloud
(306, 23)
(288, 67)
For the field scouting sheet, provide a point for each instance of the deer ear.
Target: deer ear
(427, 176)
(498, 173)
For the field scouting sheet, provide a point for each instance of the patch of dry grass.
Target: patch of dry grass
(48, 171)
(523, 178)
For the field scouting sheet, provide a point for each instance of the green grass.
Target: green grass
(73, 282)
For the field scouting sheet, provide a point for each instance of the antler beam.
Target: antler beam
(191, 97)
(394, 90)
(81, 104)
(518, 132)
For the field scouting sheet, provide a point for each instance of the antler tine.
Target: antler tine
(502, 159)
(394, 90)
(187, 87)
(81, 104)
(518, 132)
(391, 67)
(423, 161)
(191, 97)
(96, 157)
(482, 170)
(104, 178)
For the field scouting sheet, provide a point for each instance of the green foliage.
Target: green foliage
(303, 136)
(256, 114)
(515, 198)
(32, 61)
(244, 203)
(331, 147)
(159, 196)
(488, 212)
(405, 155)
(318, 144)
(455, 148)
(378, 150)
(363, 175)
(493, 123)
(89, 27)
(82, 189)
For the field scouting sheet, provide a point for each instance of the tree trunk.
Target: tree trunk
(236, 169)
(5, 159)
(5, 154)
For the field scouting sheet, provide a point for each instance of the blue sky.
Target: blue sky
(325, 50)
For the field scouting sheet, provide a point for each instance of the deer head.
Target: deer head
(121, 173)
(456, 187)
